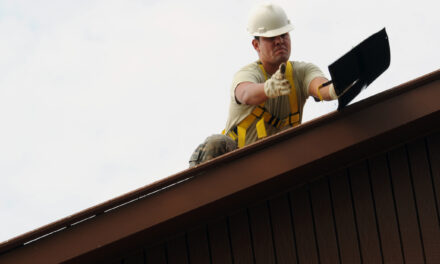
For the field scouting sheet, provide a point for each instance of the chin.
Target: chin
(282, 59)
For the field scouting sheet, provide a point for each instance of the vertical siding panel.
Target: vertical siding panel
(304, 227)
(261, 234)
(156, 255)
(219, 242)
(406, 211)
(282, 230)
(177, 250)
(425, 200)
(325, 227)
(365, 214)
(135, 258)
(344, 217)
(242, 250)
(433, 142)
(385, 210)
(198, 246)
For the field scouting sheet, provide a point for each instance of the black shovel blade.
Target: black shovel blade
(357, 69)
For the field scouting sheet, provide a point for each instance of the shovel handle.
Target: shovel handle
(325, 84)
(319, 88)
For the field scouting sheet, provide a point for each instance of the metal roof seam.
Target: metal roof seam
(45, 235)
(187, 175)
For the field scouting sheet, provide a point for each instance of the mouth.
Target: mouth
(281, 47)
(281, 50)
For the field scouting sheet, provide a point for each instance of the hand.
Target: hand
(331, 92)
(277, 85)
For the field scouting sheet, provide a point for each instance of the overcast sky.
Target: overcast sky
(98, 98)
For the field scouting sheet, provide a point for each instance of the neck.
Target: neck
(270, 68)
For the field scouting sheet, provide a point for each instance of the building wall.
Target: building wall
(384, 209)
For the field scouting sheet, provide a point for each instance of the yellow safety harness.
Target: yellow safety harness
(260, 112)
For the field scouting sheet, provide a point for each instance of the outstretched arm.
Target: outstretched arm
(250, 93)
(255, 93)
(327, 92)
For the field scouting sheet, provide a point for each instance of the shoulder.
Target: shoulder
(302, 69)
(251, 67)
(248, 73)
(302, 65)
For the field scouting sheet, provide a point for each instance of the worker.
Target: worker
(268, 95)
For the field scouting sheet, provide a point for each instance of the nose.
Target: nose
(279, 40)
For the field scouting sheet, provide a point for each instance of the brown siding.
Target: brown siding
(380, 210)
(136, 258)
(425, 200)
(241, 241)
(284, 238)
(365, 213)
(434, 160)
(156, 255)
(220, 242)
(345, 222)
(324, 221)
(386, 210)
(406, 209)
(177, 250)
(273, 202)
(261, 230)
(198, 247)
(304, 226)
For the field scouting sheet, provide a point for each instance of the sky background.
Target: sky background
(98, 98)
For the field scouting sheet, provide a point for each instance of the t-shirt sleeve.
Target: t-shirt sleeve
(310, 71)
(244, 75)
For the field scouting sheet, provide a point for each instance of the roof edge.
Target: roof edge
(186, 175)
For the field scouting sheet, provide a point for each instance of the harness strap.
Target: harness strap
(265, 117)
(293, 99)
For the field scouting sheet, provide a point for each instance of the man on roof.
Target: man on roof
(268, 95)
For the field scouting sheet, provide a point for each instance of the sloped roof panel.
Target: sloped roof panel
(307, 151)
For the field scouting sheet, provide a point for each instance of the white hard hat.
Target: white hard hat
(268, 20)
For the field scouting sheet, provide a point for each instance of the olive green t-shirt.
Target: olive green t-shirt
(303, 74)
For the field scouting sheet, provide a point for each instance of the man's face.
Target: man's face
(274, 50)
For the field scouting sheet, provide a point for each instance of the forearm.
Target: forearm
(250, 93)
(324, 91)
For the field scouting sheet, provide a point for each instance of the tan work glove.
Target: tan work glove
(277, 85)
(331, 92)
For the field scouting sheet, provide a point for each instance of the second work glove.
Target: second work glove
(277, 85)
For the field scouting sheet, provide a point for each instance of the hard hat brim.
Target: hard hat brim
(275, 32)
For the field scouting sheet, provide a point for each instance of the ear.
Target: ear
(256, 45)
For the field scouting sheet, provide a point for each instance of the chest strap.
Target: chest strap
(260, 112)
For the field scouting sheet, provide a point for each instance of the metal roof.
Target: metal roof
(164, 207)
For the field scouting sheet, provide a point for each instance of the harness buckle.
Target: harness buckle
(293, 118)
(274, 121)
(258, 111)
